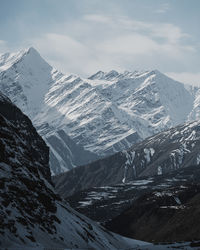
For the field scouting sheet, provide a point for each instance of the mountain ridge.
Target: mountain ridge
(102, 115)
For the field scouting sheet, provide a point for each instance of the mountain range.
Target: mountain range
(127, 142)
(83, 120)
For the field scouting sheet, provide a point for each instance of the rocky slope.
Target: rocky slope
(31, 213)
(162, 208)
(83, 120)
(169, 215)
(175, 148)
(103, 204)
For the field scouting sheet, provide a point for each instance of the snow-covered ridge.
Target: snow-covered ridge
(104, 114)
(173, 149)
(113, 74)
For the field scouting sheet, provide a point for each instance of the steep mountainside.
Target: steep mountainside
(31, 213)
(26, 79)
(175, 148)
(86, 119)
(151, 101)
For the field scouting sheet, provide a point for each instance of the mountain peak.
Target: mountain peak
(111, 74)
(100, 75)
(31, 51)
(28, 75)
(30, 54)
(97, 75)
(156, 72)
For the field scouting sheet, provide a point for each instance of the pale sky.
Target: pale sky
(85, 36)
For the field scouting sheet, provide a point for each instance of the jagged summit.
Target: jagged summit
(32, 50)
(29, 57)
(114, 75)
(97, 75)
(100, 75)
(25, 79)
(111, 74)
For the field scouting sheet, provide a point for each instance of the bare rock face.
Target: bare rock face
(31, 213)
(17, 133)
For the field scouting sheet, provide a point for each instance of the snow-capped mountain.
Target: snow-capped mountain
(166, 151)
(29, 82)
(85, 119)
(31, 213)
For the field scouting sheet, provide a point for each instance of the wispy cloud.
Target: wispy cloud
(93, 42)
(107, 42)
(97, 18)
(163, 8)
(65, 52)
(3, 46)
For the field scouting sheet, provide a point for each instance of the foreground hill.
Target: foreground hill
(83, 120)
(31, 213)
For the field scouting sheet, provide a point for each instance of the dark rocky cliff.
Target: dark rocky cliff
(31, 213)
